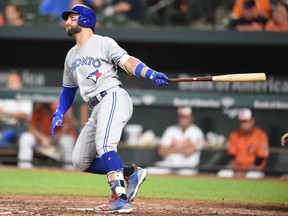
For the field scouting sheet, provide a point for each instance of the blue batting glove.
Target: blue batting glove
(56, 121)
(159, 78)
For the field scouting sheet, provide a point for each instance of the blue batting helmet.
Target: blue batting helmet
(87, 16)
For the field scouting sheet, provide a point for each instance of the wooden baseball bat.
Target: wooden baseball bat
(245, 77)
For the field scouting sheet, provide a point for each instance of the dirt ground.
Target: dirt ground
(61, 205)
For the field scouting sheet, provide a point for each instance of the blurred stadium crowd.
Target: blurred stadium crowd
(240, 15)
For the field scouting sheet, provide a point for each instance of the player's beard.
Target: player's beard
(73, 30)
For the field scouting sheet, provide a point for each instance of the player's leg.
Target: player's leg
(84, 154)
(66, 145)
(84, 151)
(25, 151)
(113, 113)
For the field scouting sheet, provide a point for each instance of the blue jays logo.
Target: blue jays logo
(94, 76)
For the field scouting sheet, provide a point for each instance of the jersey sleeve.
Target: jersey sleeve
(167, 137)
(232, 150)
(68, 80)
(114, 51)
(200, 139)
(262, 150)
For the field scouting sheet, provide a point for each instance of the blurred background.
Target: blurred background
(178, 37)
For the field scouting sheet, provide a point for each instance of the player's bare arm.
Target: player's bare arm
(284, 139)
(134, 66)
(41, 137)
(167, 150)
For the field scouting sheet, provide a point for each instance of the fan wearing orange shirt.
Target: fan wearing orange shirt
(37, 137)
(248, 147)
(263, 8)
(279, 21)
(250, 18)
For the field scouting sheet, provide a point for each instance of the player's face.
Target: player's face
(185, 121)
(247, 126)
(72, 26)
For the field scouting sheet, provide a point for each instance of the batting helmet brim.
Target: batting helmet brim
(67, 13)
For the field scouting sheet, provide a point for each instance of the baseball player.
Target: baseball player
(91, 65)
(248, 148)
(180, 146)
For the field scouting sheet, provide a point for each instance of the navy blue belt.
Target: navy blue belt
(95, 100)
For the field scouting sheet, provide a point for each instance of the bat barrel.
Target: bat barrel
(245, 77)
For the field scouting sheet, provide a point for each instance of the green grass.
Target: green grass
(48, 182)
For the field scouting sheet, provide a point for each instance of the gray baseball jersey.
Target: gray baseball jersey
(93, 67)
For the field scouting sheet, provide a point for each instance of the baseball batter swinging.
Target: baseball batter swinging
(92, 65)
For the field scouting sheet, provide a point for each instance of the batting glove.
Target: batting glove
(56, 121)
(159, 78)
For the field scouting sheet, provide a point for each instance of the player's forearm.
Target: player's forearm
(188, 150)
(66, 99)
(260, 163)
(284, 139)
(17, 115)
(131, 65)
(134, 66)
(164, 151)
(37, 134)
(137, 68)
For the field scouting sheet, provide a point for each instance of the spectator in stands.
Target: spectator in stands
(132, 11)
(250, 20)
(14, 113)
(180, 146)
(13, 15)
(14, 81)
(279, 21)
(262, 7)
(54, 8)
(248, 148)
(38, 137)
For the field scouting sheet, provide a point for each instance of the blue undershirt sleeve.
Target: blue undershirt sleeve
(66, 99)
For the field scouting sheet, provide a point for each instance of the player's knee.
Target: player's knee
(101, 149)
(78, 163)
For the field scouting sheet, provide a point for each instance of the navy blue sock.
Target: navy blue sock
(97, 167)
(112, 161)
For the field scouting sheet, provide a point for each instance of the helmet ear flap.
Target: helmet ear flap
(83, 21)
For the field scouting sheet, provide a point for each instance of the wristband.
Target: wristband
(150, 74)
(139, 68)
